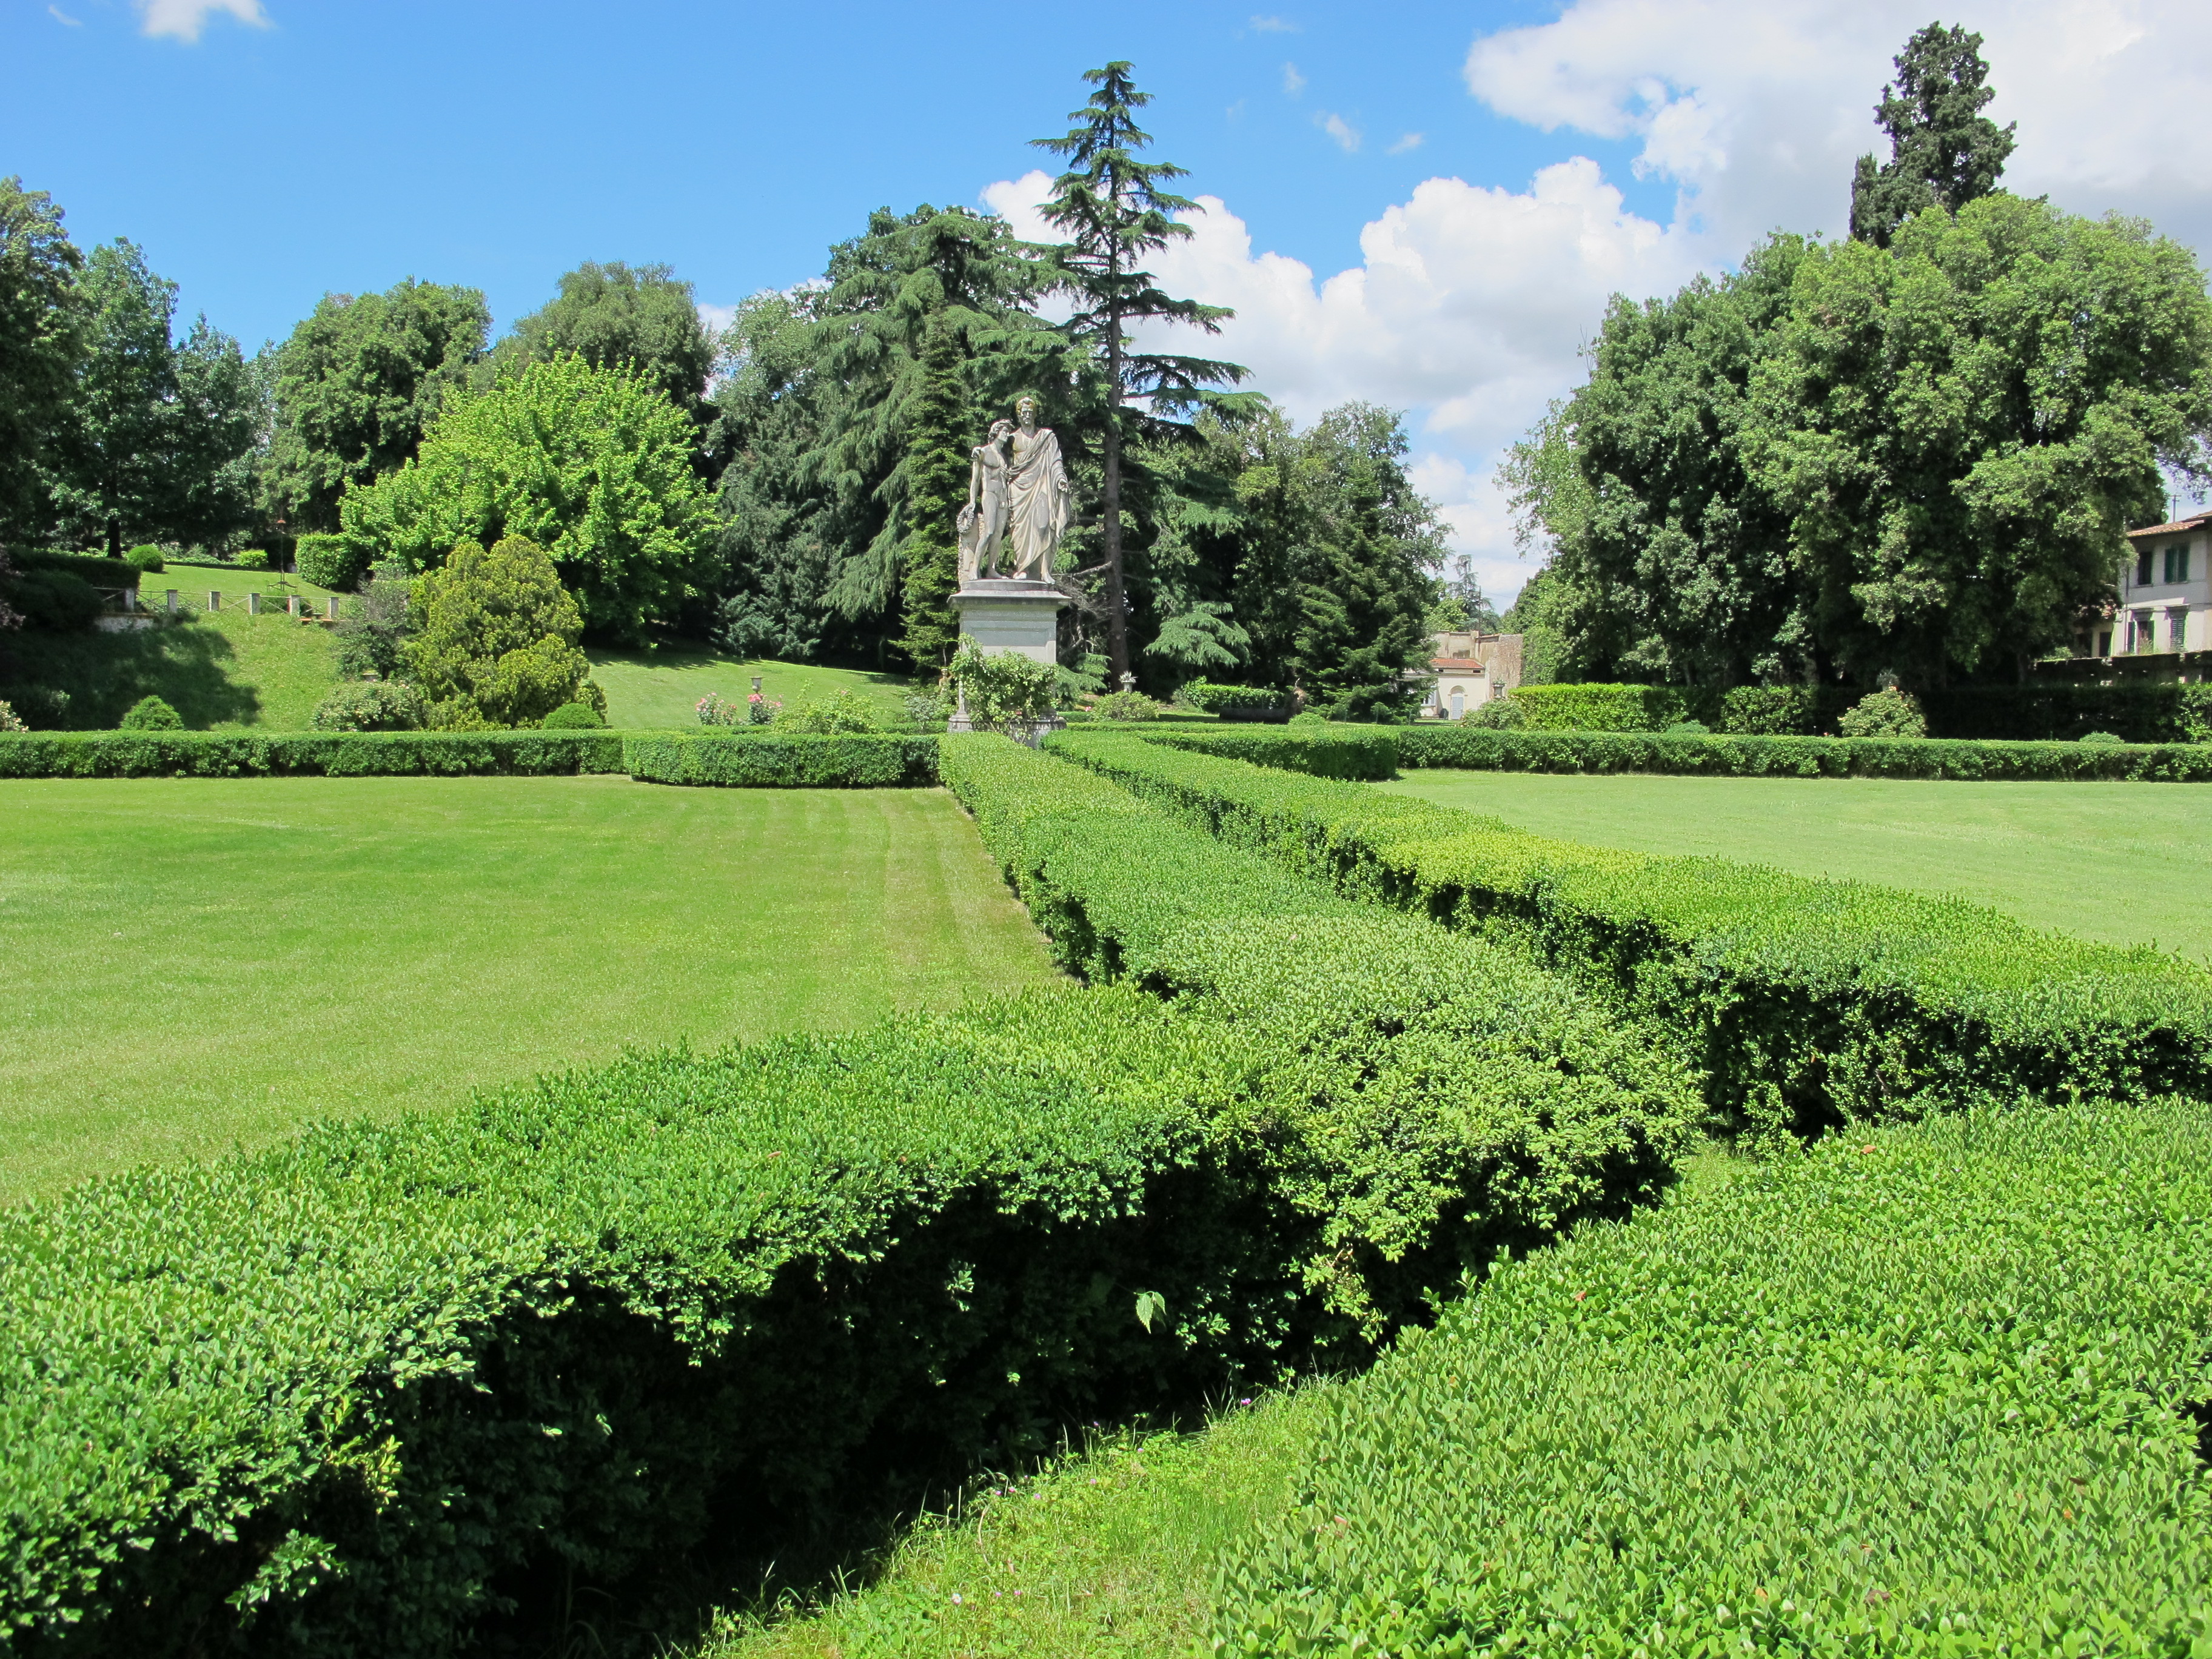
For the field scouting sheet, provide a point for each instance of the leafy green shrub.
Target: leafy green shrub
(253, 558)
(306, 754)
(1307, 720)
(494, 639)
(772, 759)
(1457, 746)
(1002, 691)
(841, 712)
(1498, 714)
(1601, 707)
(2100, 739)
(8, 720)
(1213, 698)
(51, 598)
(370, 706)
(374, 624)
(1888, 713)
(1804, 1001)
(1920, 1394)
(330, 561)
(94, 569)
(573, 717)
(145, 557)
(151, 714)
(1686, 729)
(1125, 705)
(1333, 751)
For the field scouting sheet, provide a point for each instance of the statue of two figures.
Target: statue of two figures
(1016, 508)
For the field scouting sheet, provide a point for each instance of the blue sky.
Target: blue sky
(1423, 204)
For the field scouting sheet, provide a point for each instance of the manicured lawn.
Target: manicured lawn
(2122, 862)
(221, 672)
(196, 962)
(662, 688)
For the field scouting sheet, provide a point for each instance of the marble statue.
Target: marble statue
(983, 520)
(1036, 496)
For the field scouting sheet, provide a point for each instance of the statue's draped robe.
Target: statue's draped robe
(1037, 503)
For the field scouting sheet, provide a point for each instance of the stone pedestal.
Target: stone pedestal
(1004, 613)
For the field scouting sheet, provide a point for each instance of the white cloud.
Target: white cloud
(1272, 25)
(183, 20)
(61, 16)
(1757, 112)
(715, 318)
(1346, 135)
(1293, 83)
(1411, 140)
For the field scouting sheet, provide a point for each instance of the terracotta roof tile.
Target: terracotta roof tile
(2169, 529)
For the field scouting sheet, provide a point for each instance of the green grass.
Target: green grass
(662, 688)
(226, 671)
(2110, 861)
(197, 962)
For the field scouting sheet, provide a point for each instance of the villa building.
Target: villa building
(2165, 594)
(1470, 670)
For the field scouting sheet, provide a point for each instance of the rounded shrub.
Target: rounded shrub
(151, 714)
(329, 562)
(145, 557)
(1310, 718)
(1888, 713)
(1687, 729)
(58, 599)
(573, 717)
(370, 706)
(253, 558)
(1126, 706)
(2101, 740)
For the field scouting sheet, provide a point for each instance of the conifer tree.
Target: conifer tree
(1110, 205)
(1944, 152)
(937, 488)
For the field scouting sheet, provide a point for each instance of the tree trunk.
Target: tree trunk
(1117, 616)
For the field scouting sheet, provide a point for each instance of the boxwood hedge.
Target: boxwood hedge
(1800, 1001)
(1920, 1393)
(1479, 749)
(333, 753)
(362, 1393)
(771, 759)
(1331, 752)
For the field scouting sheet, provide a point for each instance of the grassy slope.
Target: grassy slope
(662, 688)
(223, 672)
(197, 962)
(2110, 861)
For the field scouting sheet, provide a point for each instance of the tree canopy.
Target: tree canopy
(614, 316)
(1943, 151)
(41, 342)
(592, 465)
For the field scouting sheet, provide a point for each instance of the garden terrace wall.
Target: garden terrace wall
(333, 754)
(1476, 748)
(1800, 1001)
(1923, 1393)
(771, 759)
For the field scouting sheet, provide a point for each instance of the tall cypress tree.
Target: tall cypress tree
(1944, 152)
(1111, 207)
(936, 488)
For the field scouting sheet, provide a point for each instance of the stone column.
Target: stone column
(252, 605)
(215, 599)
(173, 601)
(331, 609)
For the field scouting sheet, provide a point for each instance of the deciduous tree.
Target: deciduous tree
(614, 316)
(41, 343)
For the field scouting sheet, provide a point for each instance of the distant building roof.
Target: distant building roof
(2200, 519)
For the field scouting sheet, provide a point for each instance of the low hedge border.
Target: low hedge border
(770, 760)
(1800, 1001)
(1334, 752)
(1478, 750)
(295, 754)
(1924, 1393)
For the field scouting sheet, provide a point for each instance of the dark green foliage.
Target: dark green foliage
(1217, 699)
(1110, 206)
(614, 316)
(358, 384)
(1329, 752)
(372, 706)
(42, 341)
(373, 625)
(151, 714)
(306, 753)
(1476, 748)
(50, 597)
(1922, 1393)
(1943, 151)
(2141, 711)
(145, 557)
(937, 465)
(493, 641)
(574, 717)
(1806, 1002)
(774, 760)
(330, 561)
(1888, 713)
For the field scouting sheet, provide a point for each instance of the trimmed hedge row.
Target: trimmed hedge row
(1925, 1396)
(1801, 1000)
(332, 754)
(1478, 750)
(357, 1395)
(1332, 752)
(772, 761)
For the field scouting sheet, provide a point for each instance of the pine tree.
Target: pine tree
(1112, 209)
(1362, 611)
(937, 488)
(1944, 152)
